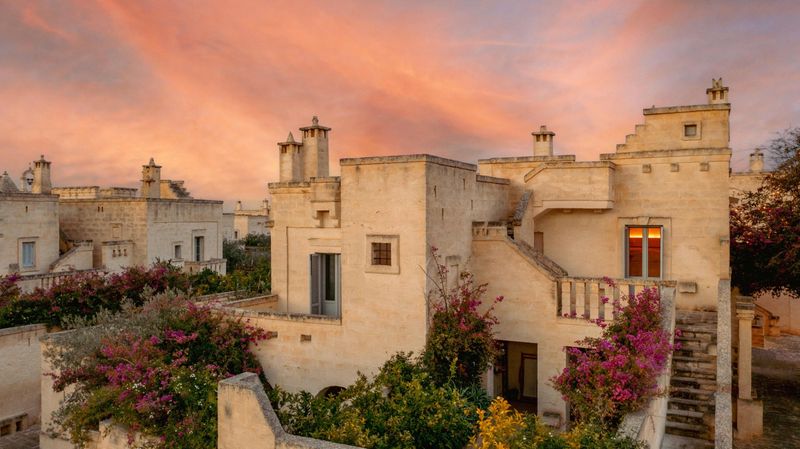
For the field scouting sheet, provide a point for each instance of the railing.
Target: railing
(582, 298)
(216, 265)
(28, 283)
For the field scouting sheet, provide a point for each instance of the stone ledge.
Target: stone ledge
(667, 153)
(515, 159)
(690, 108)
(403, 159)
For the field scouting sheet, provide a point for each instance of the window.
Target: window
(643, 251)
(178, 251)
(28, 254)
(199, 246)
(381, 254)
(690, 130)
(326, 284)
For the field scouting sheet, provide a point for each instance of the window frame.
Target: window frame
(394, 251)
(698, 130)
(22, 264)
(645, 251)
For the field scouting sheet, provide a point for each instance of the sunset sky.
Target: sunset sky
(207, 88)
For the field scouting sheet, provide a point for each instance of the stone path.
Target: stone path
(27, 439)
(776, 377)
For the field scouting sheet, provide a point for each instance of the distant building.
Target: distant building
(159, 221)
(241, 222)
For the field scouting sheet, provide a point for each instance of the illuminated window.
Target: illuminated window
(643, 251)
(381, 253)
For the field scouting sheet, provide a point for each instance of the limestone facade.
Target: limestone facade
(29, 241)
(160, 221)
(240, 222)
(350, 253)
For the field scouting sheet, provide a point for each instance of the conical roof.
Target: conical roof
(7, 185)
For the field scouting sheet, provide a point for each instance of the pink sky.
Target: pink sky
(207, 88)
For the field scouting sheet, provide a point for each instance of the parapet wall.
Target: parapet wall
(245, 419)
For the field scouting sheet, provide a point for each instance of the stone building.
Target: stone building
(241, 222)
(158, 221)
(350, 255)
(29, 232)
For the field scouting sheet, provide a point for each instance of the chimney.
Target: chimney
(151, 180)
(756, 161)
(41, 176)
(717, 93)
(291, 160)
(315, 150)
(543, 141)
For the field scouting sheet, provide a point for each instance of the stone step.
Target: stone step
(696, 358)
(685, 413)
(692, 379)
(692, 402)
(684, 442)
(686, 426)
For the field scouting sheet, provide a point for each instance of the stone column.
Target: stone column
(749, 411)
(745, 313)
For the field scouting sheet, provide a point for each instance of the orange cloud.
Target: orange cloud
(207, 88)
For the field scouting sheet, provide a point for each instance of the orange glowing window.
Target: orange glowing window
(643, 251)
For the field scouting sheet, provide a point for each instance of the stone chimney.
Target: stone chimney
(291, 160)
(151, 180)
(238, 205)
(756, 161)
(543, 141)
(41, 176)
(717, 93)
(315, 150)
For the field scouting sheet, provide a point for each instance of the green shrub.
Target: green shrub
(399, 408)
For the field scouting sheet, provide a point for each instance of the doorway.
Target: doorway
(326, 284)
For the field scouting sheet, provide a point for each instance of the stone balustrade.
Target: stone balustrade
(29, 283)
(218, 266)
(582, 298)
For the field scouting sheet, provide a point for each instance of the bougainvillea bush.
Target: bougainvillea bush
(460, 345)
(84, 295)
(153, 369)
(617, 373)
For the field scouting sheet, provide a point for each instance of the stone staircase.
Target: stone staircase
(690, 412)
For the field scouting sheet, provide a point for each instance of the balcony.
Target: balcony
(571, 185)
(218, 266)
(581, 298)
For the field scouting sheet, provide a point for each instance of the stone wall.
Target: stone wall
(246, 419)
(20, 373)
(26, 217)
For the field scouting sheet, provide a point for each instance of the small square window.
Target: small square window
(381, 254)
(690, 130)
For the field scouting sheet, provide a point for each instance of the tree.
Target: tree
(765, 226)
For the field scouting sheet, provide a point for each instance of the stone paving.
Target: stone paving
(776, 377)
(27, 439)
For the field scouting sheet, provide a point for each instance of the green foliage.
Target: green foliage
(256, 240)
(765, 226)
(401, 407)
(153, 369)
(460, 345)
(233, 253)
(256, 279)
(500, 427)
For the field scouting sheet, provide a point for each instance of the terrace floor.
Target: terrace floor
(27, 439)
